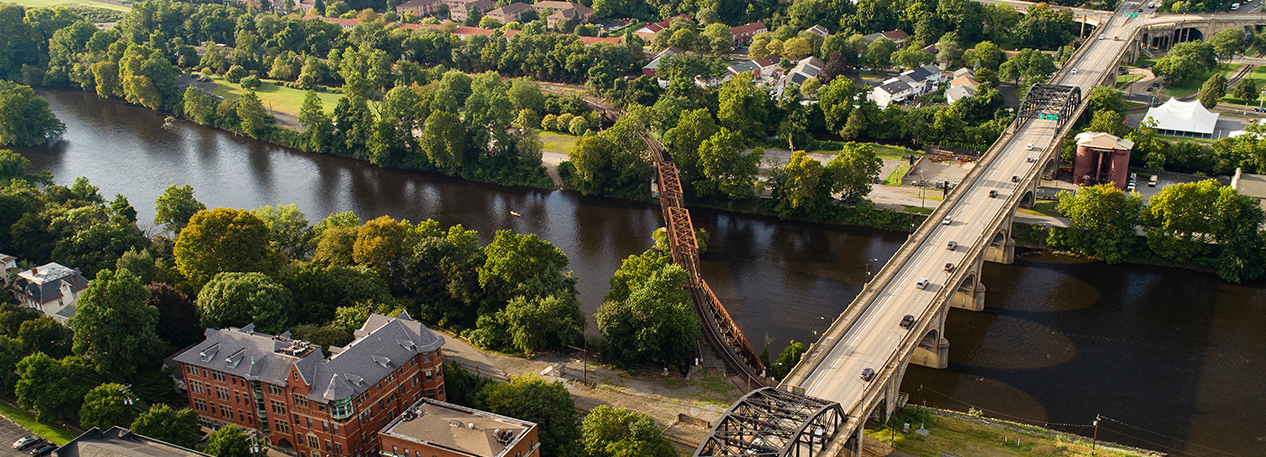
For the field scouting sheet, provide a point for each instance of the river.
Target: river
(1173, 357)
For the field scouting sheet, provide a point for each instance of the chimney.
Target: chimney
(35, 270)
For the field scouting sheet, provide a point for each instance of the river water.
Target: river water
(1174, 358)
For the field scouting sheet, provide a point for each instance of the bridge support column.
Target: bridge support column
(971, 293)
(933, 350)
(1001, 248)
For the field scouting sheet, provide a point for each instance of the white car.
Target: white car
(1074, 71)
(946, 221)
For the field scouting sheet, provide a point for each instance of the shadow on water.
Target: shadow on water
(1061, 339)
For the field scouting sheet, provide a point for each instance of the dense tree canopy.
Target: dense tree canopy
(115, 324)
(224, 240)
(237, 299)
(25, 119)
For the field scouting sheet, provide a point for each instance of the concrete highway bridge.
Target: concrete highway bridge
(854, 371)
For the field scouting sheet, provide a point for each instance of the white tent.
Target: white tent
(1179, 118)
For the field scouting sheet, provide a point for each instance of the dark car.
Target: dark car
(46, 448)
(908, 321)
(1150, 89)
(867, 375)
(1015, 179)
(949, 268)
(993, 194)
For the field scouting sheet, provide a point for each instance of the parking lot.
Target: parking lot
(10, 432)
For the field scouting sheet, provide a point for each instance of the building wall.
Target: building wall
(288, 416)
(1087, 161)
(396, 447)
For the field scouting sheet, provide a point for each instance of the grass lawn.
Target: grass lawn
(894, 178)
(1193, 86)
(1125, 80)
(954, 436)
(274, 97)
(51, 3)
(1258, 75)
(558, 142)
(50, 432)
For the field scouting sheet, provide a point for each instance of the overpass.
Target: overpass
(977, 216)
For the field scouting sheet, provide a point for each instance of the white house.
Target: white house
(909, 84)
(957, 93)
(8, 264)
(51, 289)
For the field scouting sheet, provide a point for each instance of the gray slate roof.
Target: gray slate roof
(894, 87)
(44, 283)
(381, 345)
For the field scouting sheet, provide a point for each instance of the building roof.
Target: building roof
(1101, 140)
(416, 3)
(744, 66)
(458, 428)
(121, 442)
(894, 86)
(1249, 184)
(563, 6)
(957, 92)
(749, 27)
(819, 30)
(513, 8)
(767, 61)
(961, 72)
(923, 73)
(43, 283)
(896, 35)
(381, 345)
(964, 81)
(1182, 116)
(661, 25)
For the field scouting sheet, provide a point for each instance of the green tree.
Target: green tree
(727, 171)
(1106, 98)
(523, 265)
(161, 422)
(618, 432)
(175, 206)
(52, 387)
(910, 57)
(533, 324)
(1213, 90)
(384, 245)
(787, 360)
(25, 119)
(444, 141)
(530, 398)
(1102, 221)
(1108, 121)
(178, 320)
(656, 322)
(237, 299)
(634, 271)
(987, 55)
(104, 407)
(1044, 27)
(525, 93)
(255, 120)
(1227, 43)
(854, 170)
(1245, 90)
(224, 240)
(198, 106)
(744, 107)
(683, 141)
(114, 324)
(318, 127)
(288, 230)
(879, 52)
(797, 186)
(229, 441)
(444, 270)
(1028, 64)
(43, 334)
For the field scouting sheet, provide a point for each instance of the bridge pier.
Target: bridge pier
(933, 350)
(1001, 248)
(971, 292)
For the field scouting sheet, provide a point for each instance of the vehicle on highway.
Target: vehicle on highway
(1155, 179)
(949, 268)
(952, 245)
(1074, 70)
(1028, 147)
(25, 442)
(922, 284)
(993, 194)
(1152, 5)
(1028, 159)
(1100, 36)
(1015, 179)
(908, 321)
(46, 448)
(1150, 89)
(1235, 6)
(868, 374)
(946, 221)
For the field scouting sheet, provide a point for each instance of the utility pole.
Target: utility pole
(584, 351)
(1095, 440)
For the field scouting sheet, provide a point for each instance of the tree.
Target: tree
(288, 230)
(1106, 98)
(879, 52)
(114, 324)
(618, 432)
(255, 120)
(523, 265)
(719, 38)
(986, 55)
(1102, 219)
(530, 398)
(1108, 121)
(1027, 64)
(229, 441)
(1227, 43)
(237, 299)
(1213, 90)
(43, 334)
(224, 240)
(178, 321)
(11, 352)
(727, 171)
(384, 245)
(534, 323)
(526, 94)
(683, 141)
(319, 128)
(175, 206)
(40, 386)
(1245, 90)
(743, 106)
(656, 322)
(105, 406)
(161, 422)
(444, 140)
(797, 186)
(911, 57)
(198, 106)
(854, 170)
(25, 119)
(1044, 27)
(634, 271)
(444, 269)
(786, 361)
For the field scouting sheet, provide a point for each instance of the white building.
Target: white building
(907, 85)
(957, 93)
(51, 289)
(1178, 118)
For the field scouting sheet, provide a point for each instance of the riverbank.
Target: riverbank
(951, 433)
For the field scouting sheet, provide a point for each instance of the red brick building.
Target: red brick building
(432, 428)
(305, 403)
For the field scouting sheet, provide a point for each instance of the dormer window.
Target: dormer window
(385, 362)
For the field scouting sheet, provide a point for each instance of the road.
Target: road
(875, 337)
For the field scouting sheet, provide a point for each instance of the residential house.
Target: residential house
(510, 13)
(647, 32)
(652, 67)
(51, 289)
(819, 31)
(8, 266)
(459, 10)
(897, 36)
(909, 84)
(964, 81)
(435, 428)
(119, 441)
(806, 68)
(957, 93)
(345, 23)
(961, 72)
(744, 66)
(744, 33)
(561, 11)
(301, 402)
(420, 7)
(769, 66)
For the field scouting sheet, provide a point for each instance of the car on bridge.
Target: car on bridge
(908, 321)
(951, 245)
(922, 284)
(947, 221)
(1015, 179)
(868, 374)
(992, 194)
(949, 268)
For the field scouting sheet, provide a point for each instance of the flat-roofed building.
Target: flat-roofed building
(121, 442)
(432, 428)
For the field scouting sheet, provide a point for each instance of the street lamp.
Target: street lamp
(868, 261)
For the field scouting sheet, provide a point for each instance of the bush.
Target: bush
(250, 82)
(235, 74)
